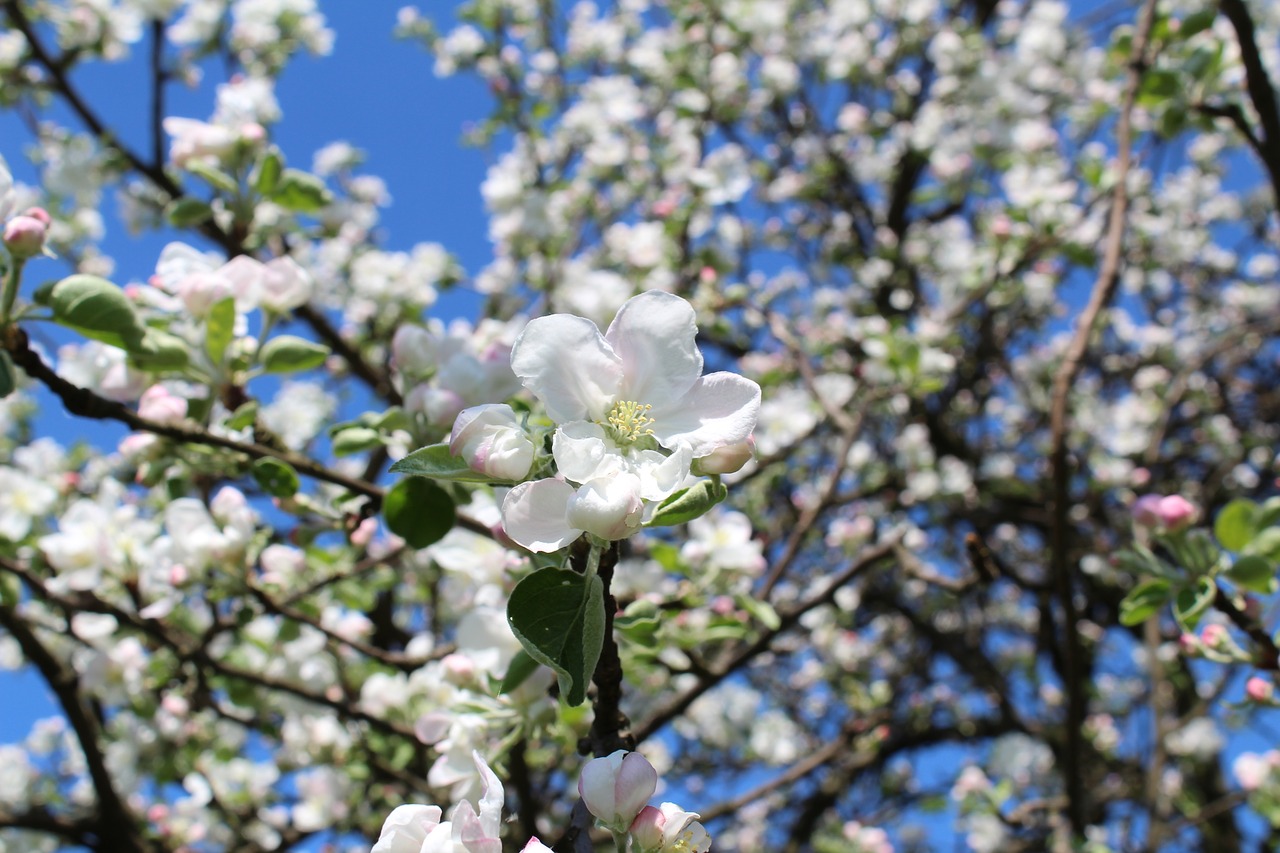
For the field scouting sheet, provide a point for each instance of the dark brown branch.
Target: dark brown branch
(744, 654)
(116, 827)
(1261, 92)
(1062, 571)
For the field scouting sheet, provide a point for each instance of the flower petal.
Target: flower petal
(582, 452)
(567, 365)
(491, 800)
(719, 410)
(534, 514)
(654, 335)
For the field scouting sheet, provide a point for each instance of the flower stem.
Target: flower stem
(620, 841)
(593, 559)
(10, 289)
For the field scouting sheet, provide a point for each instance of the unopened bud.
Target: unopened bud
(615, 788)
(24, 235)
(1259, 689)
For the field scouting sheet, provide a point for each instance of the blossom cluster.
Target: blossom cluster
(635, 421)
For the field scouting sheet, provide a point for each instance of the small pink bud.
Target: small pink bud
(1189, 644)
(1176, 512)
(1213, 635)
(363, 534)
(708, 275)
(1001, 226)
(1146, 511)
(458, 669)
(1259, 689)
(24, 235)
(178, 574)
(646, 829)
(615, 788)
(160, 405)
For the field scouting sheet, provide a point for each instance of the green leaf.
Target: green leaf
(418, 511)
(212, 174)
(1143, 601)
(266, 175)
(8, 376)
(1193, 601)
(300, 192)
(276, 477)
(1158, 85)
(1268, 513)
(688, 504)
(761, 611)
(159, 350)
(1234, 526)
(518, 671)
(220, 328)
(1197, 22)
(1254, 573)
(289, 354)
(558, 616)
(355, 440)
(243, 417)
(97, 309)
(1265, 544)
(438, 463)
(187, 212)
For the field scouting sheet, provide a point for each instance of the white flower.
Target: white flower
(418, 829)
(619, 398)
(669, 829)
(643, 377)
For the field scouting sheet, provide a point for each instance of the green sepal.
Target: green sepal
(688, 504)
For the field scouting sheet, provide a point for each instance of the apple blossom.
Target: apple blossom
(643, 377)
(24, 235)
(418, 828)
(615, 788)
(669, 829)
(493, 441)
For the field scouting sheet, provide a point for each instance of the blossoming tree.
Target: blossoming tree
(866, 441)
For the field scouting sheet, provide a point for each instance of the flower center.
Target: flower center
(629, 420)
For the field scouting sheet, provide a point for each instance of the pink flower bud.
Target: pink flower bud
(615, 788)
(667, 829)
(24, 235)
(646, 829)
(1146, 511)
(1259, 689)
(1213, 635)
(363, 534)
(458, 669)
(1176, 512)
(159, 405)
(493, 442)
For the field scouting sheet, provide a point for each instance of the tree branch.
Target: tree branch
(1103, 290)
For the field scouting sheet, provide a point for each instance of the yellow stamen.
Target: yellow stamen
(630, 421)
